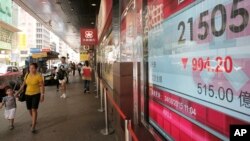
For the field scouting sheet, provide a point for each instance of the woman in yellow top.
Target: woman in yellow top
(34, 92)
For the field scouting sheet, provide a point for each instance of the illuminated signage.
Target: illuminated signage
(88, 36)
(84, 56)
(198, 73)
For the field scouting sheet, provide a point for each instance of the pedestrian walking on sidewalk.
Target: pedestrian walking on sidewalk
(86, 76)
(79, 67)
(9, 102)
(56, 81)
(66, 67)
(73, 68)
(62, 78)
(34, 92)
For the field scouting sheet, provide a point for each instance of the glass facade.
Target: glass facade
(192, 57)
(5, 33)
(197, 67)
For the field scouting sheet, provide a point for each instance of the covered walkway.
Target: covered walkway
(73, 119)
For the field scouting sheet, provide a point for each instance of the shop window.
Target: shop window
(15, 69)
(9, 69)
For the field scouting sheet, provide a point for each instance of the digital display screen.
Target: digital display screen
(199, 73)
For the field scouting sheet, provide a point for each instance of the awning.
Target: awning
(46, 55)
(39, 55)
(9, 27)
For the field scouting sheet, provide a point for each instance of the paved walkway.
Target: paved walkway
(72, 119)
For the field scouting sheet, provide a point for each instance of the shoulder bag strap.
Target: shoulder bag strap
(25, 77)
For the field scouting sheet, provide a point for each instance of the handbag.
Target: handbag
(22, 96)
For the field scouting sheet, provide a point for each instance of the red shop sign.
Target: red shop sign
(46, 49)
(88, 36)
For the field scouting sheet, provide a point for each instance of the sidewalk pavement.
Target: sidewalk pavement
(72, 119)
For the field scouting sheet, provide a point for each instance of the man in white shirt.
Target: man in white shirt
(64, 64)
(65, 67)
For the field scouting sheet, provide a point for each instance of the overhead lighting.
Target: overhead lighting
(92, 23)
(93, 4)
(44, 1)
(126, 12)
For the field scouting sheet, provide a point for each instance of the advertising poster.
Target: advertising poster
(22, 41)
(199, 74)
(84, 56)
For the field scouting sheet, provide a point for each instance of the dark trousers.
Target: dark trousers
(79, 71)
(86, 85)
(57, 83)
(67, 78)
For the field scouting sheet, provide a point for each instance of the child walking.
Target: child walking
(9, 102)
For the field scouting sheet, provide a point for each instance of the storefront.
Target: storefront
(104, 62)
(197, 56)
(191, 79)
(7, 53)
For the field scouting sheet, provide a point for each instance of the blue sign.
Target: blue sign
(35, 50)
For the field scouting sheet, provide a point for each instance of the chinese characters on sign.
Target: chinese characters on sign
(245, 99)
(197, 66)
(88, 36)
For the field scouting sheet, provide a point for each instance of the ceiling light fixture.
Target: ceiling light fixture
(93, 4)
(44, 1)
(92, 23)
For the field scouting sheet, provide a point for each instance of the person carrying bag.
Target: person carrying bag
(86, 76)
(34, 93)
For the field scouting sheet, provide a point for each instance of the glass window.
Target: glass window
(2, 69)
(9, 69)
(15, 69)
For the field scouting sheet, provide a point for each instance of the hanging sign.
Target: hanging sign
(88, 36)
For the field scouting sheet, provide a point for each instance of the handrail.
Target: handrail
(129, 132)
(116, 107)
(132, 133)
